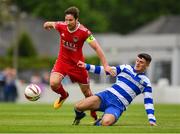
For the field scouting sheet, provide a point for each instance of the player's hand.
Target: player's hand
(152, 124)
(48, 25)
(81, 64)
(110, 70)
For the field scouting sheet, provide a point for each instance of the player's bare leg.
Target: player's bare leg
(55, 80)
(85, 88)
(108, 119)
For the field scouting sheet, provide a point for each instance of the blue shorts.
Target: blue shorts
(110, 104)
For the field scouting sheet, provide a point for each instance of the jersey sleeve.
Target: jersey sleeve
(148, 103)
(95, 69)
(100, 69)
(58, 25)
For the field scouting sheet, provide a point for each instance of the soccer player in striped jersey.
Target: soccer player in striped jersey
(113, 101)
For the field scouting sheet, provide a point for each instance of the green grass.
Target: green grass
(42, 118)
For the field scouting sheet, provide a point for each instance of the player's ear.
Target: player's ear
(147, 64)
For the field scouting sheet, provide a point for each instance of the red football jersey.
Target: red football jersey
(71, 42)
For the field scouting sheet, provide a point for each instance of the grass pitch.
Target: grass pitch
(42, 118)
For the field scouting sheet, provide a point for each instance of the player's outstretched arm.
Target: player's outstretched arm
(95, 69)
(149, 106)
(95, 45)
(49, 25)
(91, 68)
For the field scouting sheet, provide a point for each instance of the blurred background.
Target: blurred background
(124, 28)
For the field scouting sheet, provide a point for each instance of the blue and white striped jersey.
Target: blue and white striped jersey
(128, 85)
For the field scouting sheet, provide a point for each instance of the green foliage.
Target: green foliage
(35, 63)
(25, 47)
(121, 16)
(126, 15)
(5, 15)
(7, 62)
(28, 63)
(55, 11)
(38, 62)
(93, 60)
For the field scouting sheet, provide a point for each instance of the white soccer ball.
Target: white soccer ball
(32, 92)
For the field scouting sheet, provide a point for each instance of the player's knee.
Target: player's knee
(78, 106)
(106, 122)
(54, 85)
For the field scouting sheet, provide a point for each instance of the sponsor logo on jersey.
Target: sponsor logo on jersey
(69, 45)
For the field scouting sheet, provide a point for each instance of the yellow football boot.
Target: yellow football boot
(58, 103)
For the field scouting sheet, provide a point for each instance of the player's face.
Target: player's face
(140, 65)
(70, 21)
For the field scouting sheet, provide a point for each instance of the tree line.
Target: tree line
(103, 16)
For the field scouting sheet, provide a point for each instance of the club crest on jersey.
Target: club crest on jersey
(75, 39)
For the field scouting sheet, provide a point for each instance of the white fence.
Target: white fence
(161, 94)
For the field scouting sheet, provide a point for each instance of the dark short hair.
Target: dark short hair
(146, 56)
(73, 11)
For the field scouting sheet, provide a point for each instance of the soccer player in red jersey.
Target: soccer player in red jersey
(72, 37)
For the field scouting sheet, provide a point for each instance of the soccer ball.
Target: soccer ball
(32, 92)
